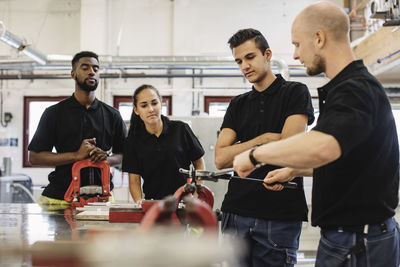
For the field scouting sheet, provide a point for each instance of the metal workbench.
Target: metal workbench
(23, 226)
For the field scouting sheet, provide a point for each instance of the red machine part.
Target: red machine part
(199, 213)
(130, 214)
(195, 213)
(147, 204)
(72, 195)
(203, 193)
(164, 212)
(126, 215)
(57, 253)
(161, 213)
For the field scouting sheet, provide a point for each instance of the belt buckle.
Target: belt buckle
(383, 227)
(362, 229)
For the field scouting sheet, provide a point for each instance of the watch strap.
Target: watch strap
(251, 157)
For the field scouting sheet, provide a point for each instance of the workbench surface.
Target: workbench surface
(27, 223)
(21, 225)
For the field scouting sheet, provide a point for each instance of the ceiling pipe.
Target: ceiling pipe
(63, 62)
(117, 67)
(28, 76)
(282, 66)
(21, 45)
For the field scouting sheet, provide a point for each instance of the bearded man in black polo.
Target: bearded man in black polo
(78, 127)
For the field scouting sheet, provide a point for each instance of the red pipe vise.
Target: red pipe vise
(79, 195)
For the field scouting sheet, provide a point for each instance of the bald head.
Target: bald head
(324, 16)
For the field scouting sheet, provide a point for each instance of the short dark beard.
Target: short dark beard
(86, 87)
(318, 67)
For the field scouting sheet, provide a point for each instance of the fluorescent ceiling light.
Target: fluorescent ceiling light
(21, 45)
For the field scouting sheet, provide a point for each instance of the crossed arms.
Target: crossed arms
(227, 148)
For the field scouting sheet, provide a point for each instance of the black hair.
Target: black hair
(243, 35)
(82, 54)
(136, 121)
(140, 89)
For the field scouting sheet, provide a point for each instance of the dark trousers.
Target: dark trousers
(379, 247)
(268, 243)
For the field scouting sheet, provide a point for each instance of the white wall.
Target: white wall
(51, 26)
(209, 24)
(137, 28)
(147, 28)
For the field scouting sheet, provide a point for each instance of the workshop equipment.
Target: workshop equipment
(16, 188)
(125, 215)
(389, 10)
(170, 213)
(203, 192)
(191, 187)
(183, 208)
(167, 212)
(79, 195)
(65, 253)
(129, 213)
(116, 247)
(134, 214)
(227, 174)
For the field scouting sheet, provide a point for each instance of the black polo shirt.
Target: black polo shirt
(64, 126)
(361, 187)
(158, 159)
(250, 115)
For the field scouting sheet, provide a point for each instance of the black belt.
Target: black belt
(357, 228)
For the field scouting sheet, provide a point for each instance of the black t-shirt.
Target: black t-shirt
(361, 187)
(158, 159)
(250, 115)
(64, 126)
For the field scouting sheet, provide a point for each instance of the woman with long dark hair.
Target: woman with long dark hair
(157, 147)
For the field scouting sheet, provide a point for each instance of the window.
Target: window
(216, 105)
(124, 105)
(34, 107)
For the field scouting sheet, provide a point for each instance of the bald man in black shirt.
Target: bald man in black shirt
(352, 152)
